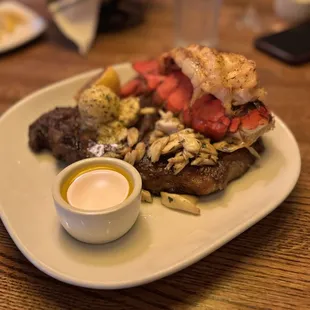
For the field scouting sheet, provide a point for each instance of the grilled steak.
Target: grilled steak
(60, 132)
(197, 180)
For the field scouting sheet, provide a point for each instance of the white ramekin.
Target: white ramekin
(103, 225)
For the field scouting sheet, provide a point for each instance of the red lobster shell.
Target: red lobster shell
(207, 115)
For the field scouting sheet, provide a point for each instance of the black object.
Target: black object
(291, 46)
(116, 15)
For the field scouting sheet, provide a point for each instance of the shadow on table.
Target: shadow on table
(24, 47)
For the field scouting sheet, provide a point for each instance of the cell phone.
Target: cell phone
(291, 46)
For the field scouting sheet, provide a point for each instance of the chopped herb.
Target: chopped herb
(170, 199)
(203, 145)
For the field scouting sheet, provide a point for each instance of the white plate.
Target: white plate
(34, 26)
(162, 241)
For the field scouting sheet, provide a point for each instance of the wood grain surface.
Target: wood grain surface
(267, 267)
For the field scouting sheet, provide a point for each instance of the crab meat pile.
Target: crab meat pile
(182, 146)
(128, 148)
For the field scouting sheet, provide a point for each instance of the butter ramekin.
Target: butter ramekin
(100, 226)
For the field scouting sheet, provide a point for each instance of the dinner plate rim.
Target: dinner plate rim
(4, 48)
(271, 206)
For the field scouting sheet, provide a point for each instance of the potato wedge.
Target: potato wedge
(107, 77)
(110, 79)
(184, 203)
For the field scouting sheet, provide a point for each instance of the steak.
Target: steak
(60, 132)
(195, 180)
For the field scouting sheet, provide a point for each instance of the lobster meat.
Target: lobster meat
(173, 90)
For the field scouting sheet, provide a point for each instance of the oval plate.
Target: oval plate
(162, 241)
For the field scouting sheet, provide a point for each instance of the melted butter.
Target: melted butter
(96, 187)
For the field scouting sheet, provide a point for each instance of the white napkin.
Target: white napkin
(78, 21)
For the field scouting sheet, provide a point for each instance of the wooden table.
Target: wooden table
(267, 267)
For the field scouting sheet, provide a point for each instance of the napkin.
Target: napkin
(77, 20)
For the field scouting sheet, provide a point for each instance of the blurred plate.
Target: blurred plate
(33, 25)
(162, 241)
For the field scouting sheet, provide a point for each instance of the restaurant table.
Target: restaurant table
(266, 267)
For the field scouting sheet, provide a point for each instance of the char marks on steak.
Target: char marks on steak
(60, 132)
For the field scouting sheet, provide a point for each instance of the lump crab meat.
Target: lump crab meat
(156, 148)
(168, 124)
